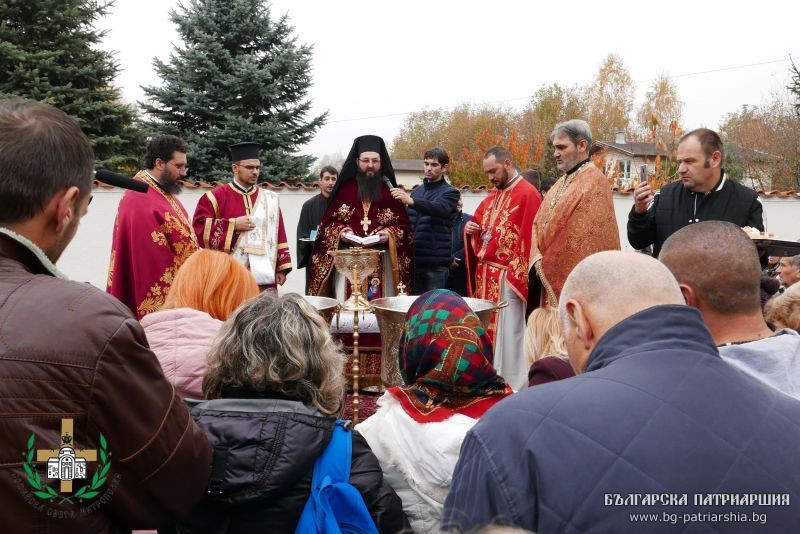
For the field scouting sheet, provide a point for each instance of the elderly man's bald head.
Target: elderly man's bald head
(607, 288)
(619, 284)
(719, 262)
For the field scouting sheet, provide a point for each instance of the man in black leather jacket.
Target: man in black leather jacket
(703, 194)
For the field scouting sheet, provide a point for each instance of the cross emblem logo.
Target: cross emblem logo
(66, 463)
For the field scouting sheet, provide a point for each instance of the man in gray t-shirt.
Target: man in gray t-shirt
(717, 267)
(774, 360)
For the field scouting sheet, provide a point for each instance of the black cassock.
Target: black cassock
(310, 216)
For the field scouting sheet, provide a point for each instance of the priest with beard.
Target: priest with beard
(497, 246)
(361, 205)
(577, 218)
(153, 235)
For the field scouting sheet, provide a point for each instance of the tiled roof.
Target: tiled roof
(211, 185)
(412, 165)
(791, 193)
(466, 189)
(636, 149)
(756, 156)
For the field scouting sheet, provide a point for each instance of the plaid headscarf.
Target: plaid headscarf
(445, 358)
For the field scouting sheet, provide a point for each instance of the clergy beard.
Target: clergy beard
(173, 188)
(369, 187)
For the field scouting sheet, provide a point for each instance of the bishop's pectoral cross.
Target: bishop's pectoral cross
(43, 455)
(365, 222)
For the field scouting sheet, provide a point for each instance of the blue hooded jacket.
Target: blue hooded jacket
(657, 415)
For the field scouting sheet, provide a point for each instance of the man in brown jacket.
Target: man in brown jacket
(94, 438)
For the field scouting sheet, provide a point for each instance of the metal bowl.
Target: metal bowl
(391, 314)
(325, 306)
(397, 307)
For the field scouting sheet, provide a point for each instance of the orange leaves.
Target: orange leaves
(466, 166)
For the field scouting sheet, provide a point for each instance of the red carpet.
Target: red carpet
(367, 405)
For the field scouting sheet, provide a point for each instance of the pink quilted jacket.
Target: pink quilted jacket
(181, 339)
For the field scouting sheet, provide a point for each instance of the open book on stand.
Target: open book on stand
(369, 240)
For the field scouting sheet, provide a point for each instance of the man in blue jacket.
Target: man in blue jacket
(431, 208)
(656, 433)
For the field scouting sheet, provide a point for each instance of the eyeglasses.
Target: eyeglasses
(375, 161)
(91, 197)
(179, 166)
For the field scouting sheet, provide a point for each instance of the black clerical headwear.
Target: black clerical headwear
(365, 143)
(245, 150)
(369, 143)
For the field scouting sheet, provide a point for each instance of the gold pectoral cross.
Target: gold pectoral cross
(365, 222)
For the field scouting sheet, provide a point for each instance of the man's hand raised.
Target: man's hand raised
(642, 196)
(401, 196)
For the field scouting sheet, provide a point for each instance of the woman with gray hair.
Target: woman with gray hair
(275, 384)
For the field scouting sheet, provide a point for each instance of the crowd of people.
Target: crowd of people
(617, 391)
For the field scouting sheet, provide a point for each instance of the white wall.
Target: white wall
(86, 258)
(782, 217)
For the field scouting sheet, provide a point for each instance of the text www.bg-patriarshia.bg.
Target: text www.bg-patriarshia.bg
(674, 519)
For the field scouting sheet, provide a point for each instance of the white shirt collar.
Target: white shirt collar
(720, 184)
(39, 253)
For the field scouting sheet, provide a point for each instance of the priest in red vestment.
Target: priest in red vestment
(242, 219)
(498, 258)
(152, 233)
(361, 205)
(577, 218)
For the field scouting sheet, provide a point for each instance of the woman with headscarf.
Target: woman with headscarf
(445, 358)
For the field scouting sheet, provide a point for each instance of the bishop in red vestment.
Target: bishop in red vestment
(362, 205)
(242, 219)
(498, 242)
(152, 233)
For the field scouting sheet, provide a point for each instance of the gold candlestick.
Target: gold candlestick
(356, 365)
(355, 264)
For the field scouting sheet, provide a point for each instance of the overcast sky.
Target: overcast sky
(376, 61)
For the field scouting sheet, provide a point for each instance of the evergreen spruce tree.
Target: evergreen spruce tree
(239, 76)
(48, 52)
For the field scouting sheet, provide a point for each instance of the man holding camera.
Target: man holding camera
(703, 194)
